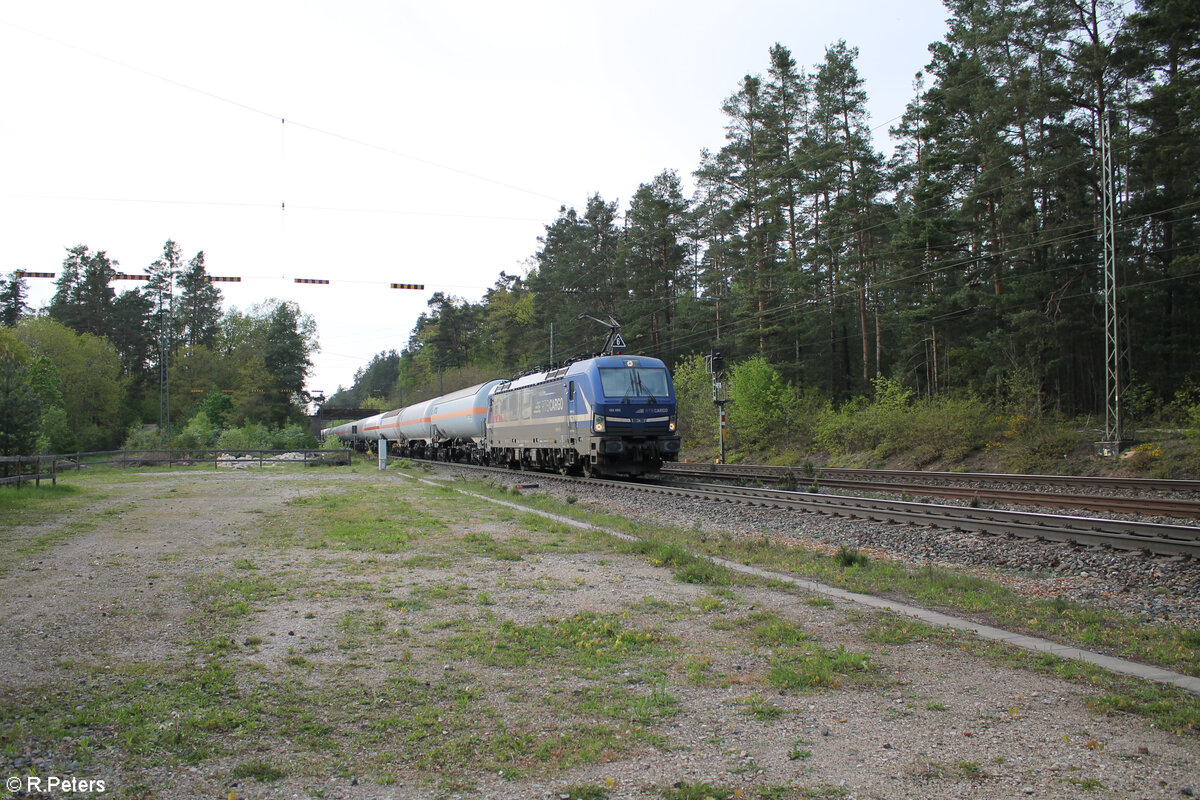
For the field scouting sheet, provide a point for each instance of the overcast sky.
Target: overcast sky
(376, 142)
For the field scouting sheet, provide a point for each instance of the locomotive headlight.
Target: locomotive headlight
(598, 423)
(671, 424)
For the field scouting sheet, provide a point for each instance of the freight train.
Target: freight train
(608, 415)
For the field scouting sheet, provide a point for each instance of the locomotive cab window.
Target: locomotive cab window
(634, 382)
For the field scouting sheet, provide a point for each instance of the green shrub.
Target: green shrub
(251, 436)
(694, 407)
(1041, 448)
(56, 435)
(198, 434)
(292, 437)
(141, 437)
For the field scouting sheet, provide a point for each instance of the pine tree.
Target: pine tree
(13, 292)
(83, 299)
(654, 254)
(849, 181)
(1160, 51)
(199, 308)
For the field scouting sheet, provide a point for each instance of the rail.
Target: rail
(37, 468)
(1147, 537)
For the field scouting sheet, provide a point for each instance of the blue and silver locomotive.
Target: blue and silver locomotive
(608, 415)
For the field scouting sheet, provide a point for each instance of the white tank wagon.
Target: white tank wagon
(450, 427)
(358, 433)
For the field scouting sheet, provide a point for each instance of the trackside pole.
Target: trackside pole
(383, 445)
(716, 368)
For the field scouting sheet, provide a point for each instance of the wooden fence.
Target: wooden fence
(20, 470)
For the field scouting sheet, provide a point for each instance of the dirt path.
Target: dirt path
(338, 634)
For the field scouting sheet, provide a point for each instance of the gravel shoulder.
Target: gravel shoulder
(351, 634)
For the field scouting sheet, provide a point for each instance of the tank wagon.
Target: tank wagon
(607, 415)
(447, 428)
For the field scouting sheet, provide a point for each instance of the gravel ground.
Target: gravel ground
(928, 721)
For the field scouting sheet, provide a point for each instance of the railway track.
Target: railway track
(1140, 496)
(1149, 537)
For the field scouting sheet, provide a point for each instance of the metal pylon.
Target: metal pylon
(1113, 431)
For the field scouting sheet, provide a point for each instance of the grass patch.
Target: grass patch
(893, 629)
(362, 519)
(154, 714)
(762, 709)
(228, 598)
(260, 771)
(686, 566)
(485, 544)
(686, 790)
(30, 505)
(813, 667)
(590, 641)
(1175, 647)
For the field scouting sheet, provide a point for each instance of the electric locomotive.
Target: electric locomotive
(607, 415)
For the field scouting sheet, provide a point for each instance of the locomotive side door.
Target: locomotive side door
(576, 411)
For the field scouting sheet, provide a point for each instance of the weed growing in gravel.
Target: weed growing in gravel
(354, 519)
(799, 750)
(893, 629)
(813, 667)
(685, 790)
(688, 567)
(762, 709)
(228, 598)
(770, 630)
(849, 557)
(485, 544)
(261, 771)
(584, 641)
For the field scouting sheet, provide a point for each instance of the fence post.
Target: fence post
(37, 473)
(54, 472)
(20, 473)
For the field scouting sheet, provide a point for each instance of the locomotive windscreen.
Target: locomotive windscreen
(635, 382)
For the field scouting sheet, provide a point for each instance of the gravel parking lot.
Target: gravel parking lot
(328, 633)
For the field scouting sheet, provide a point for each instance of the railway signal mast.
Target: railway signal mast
(716, 368)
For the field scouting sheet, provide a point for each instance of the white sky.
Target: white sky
(424, 142)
